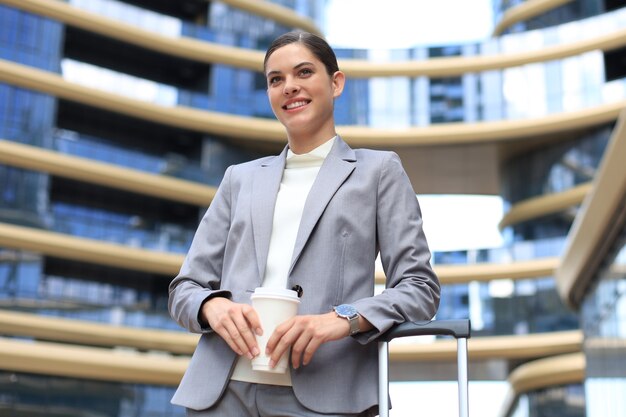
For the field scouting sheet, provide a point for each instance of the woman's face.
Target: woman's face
(301, 92)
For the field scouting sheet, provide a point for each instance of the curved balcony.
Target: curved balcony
(103, 253)
(55, 356)
(527, 10)
(595, 228)
(541, 374)
(105, 174)
(270, 131)
(112, 175)
(60, 359)
(276, 13)
(544, 205)
(250, 59)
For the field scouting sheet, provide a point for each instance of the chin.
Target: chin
(298, 124)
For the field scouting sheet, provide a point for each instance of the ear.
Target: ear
(339, 80)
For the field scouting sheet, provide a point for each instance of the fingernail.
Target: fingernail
(255, 351)
(272, 363)
(259, 331)
(249, 355)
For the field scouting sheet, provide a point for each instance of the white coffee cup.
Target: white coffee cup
(274, 306)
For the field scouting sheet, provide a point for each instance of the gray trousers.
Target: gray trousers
(243, 399)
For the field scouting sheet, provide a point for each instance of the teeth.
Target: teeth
(295, 104)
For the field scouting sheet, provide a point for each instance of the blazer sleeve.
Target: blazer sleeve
(200, 275)
(412, 288)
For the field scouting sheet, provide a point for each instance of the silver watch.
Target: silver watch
(349, 313)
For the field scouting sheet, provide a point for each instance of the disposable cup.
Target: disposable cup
(274, 306)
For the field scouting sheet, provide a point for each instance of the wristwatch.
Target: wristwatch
(349, 313)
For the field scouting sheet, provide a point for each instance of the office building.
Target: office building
(118, 119)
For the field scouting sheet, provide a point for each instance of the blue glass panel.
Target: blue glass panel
(49, 395)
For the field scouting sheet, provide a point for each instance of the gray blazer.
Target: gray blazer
(361, 202)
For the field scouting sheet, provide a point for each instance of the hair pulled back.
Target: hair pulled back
(317, 45)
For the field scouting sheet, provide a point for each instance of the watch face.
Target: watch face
(345, 310)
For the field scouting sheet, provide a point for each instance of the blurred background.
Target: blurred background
(119, 118)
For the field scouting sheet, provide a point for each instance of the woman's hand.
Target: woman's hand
(235, 323)
(305, 334)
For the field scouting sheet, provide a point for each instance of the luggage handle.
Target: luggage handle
(459, 329)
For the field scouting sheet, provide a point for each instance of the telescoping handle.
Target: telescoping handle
(459, 329)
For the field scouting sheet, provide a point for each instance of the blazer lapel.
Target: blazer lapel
(265, 186)
(337, 166)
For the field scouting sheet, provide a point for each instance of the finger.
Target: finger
(277, 335)
(245, 338)
(298, 348)
(310, 350)
(283, 344)
(234, 338)
(282, 348)
(243, 335)
(230, 326)
(313, 334)
(253, 319)
(218, 313)
(306, 344)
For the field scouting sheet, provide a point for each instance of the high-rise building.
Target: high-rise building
(119, 118)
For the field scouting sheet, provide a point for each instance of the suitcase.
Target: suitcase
(459, 329)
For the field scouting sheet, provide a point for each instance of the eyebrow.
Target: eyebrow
(302, 64)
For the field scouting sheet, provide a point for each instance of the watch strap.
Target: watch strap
(353, 321)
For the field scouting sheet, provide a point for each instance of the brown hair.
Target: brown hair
(318, 47)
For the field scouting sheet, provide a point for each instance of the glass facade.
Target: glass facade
(564, 401)
(40, 284)
(526, 91)
(604, 323)
(552, 169)
(24, 115)
(505, 306)
(46, 285)
(36, 395)
(567, 12)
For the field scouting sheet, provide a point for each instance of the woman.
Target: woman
(315, 216)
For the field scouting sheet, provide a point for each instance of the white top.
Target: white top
(298, 177)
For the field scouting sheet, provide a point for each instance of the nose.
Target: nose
(290, 87)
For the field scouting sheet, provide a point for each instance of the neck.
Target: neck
(304, 143)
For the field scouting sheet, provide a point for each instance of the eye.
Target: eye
(273, 80)
(305, 72)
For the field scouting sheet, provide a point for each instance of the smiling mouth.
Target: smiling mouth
(296, 104)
